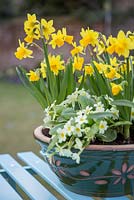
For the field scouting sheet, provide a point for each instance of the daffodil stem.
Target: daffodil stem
(50, 76)
(126, 132)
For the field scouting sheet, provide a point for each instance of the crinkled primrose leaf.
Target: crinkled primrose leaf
(109, 136)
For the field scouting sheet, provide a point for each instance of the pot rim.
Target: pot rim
(39, 136)
(126, 147)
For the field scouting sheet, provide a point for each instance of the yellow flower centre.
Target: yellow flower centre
(81, 119)
(132, 113)
(62, 135)
(59, 41)
(22, 51)
(69, 128)
(54, 67)
(101, 126)
(77, 129)
(89, 70)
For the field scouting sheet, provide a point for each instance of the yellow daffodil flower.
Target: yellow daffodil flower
(112, 45)
(100, 67)
(57, 39)
(76, 49)
(88, 70)
(30, 22)
(60, 37)
(89, 37)
(33, 34)
(114, 62)
(32, 28)
(116, 88)
(130, 35)
(125, 68)
(78, 63)
(33, 76)
(29, 39)
(101, 45)
(111, 73)
(67, 38)
(47, 28)
(120, 45)
(80, 79)
(123, 44)
(56, 63)
(43, 69)
(23, 52)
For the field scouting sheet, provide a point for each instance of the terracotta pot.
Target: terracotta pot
(104, 170)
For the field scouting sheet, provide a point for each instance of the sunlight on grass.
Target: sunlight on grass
(20, 114)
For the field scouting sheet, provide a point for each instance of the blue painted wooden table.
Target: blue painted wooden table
(15, 178)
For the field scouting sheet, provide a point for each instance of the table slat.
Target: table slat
(42, 168)
(6, 191)
(25, 180)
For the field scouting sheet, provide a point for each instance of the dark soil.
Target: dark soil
(119, 140)
(45, 132)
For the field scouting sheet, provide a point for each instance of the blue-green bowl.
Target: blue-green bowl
(104, 170)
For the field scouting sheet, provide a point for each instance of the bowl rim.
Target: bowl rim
(126, 147)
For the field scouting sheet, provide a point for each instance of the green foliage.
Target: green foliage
(47, 93)
(78, 120)
(67, 113)
(34, 89)
(110, 135)
(85, 101)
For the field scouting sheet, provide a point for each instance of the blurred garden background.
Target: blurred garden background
(19, 112)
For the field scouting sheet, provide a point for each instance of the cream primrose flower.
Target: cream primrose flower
(72, 98)
(81, 119)
(114, 111)
(47, 121)
(78, 144)
(62, 135)
(65, 152)
(50, 109)
(69, 128)
(59, 149)
(102, 126)
(80, 112)
(88, 110)
(82, 92)
(52, 105)
(109, 99)
(76, 156)
(89, 133)
(64, 103)
(77, 130)
(99, 107)
(46, 111)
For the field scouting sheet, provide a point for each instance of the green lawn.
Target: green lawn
(20, 114)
